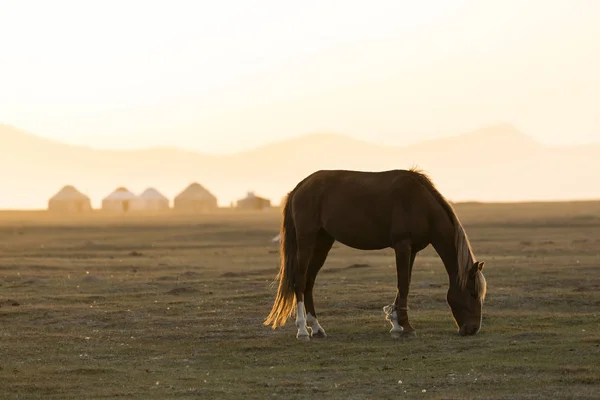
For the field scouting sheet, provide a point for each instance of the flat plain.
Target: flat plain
(171, 306)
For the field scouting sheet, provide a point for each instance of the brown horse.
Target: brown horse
(399, 209)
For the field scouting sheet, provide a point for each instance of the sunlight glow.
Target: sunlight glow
(215, 76)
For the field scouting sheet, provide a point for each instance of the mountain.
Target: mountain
(496, 163)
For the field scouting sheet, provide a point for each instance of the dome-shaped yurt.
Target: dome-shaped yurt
(151, 200)
(195, 198)
(120, 200)
(69, 199)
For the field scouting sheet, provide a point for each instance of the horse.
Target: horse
(398, 209)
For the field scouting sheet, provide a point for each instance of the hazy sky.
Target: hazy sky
(221, 76)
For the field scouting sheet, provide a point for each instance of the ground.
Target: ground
(169, 306)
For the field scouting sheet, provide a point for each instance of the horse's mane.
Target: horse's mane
(465, 255)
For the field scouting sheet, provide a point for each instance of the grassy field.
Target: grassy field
(159, 307)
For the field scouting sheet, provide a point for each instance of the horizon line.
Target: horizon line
(274, 206)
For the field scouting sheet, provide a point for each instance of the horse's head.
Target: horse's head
(466, 301)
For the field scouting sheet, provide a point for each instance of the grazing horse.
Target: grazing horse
(399, 209)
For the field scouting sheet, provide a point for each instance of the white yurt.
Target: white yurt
(69, 199)
(151, 200)
(195, 198)
(119, 200)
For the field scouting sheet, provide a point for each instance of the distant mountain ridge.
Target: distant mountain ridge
(493, 163)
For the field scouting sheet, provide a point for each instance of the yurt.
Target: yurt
(195, 198)
(150, 200)
(120, 200)
(253, 202)
(69, 199)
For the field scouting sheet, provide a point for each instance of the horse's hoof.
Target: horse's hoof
(396, 334)
(319, 334)
(408, 334)
(303, 338)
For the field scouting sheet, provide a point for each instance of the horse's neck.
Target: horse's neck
(444, 244)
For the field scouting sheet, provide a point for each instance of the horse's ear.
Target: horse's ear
(477, 267)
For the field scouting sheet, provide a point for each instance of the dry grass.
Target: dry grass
(172, 306)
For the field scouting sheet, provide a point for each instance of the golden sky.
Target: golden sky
(223, 76)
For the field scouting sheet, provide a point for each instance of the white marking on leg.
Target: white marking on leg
(301, 322)
(396, 327)
(314, 324)
(392, 316)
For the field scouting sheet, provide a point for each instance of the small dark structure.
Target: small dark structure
(195, 198)
(253, 202)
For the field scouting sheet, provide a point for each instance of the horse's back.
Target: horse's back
(360, 209)
(340, 178)
(352, 183)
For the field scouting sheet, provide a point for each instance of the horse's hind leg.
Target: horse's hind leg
(322, 247)
(306, 245)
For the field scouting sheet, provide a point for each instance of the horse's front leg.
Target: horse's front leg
(397, 313)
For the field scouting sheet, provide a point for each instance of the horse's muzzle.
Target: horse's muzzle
(468, 330)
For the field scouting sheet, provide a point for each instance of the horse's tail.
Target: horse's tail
(286, 293)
